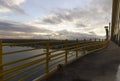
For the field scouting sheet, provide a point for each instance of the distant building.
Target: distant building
(115, 28)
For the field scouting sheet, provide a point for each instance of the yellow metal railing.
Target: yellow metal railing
(44, 64)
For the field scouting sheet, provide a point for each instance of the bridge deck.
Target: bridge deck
(98, 66)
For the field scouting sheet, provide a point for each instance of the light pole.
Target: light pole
(107, 32)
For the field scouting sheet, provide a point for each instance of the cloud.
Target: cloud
(11, 5)
(99, 10)
(61, 16)
(94, 16)
(19, 27)
(92, 33)
(64, 34)
(54, 19)
(14, 35)
(78, 25)
(102, 5)
(19, 30)
(90, 19)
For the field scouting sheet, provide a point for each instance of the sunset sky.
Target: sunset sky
(59, 19)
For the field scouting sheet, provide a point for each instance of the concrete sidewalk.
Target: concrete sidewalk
(98, 66)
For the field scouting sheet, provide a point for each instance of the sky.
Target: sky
(55, 19)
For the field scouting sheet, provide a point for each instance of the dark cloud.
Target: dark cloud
(92, 33)
(18, 27)
(78, 25)
(18, 30)
(10, 5)
(53, 20)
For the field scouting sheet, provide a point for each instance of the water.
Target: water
(16, 56)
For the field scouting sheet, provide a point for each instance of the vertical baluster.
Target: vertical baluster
(89, 49)
(102, 43)
(66, 51)
(77, 48)
(84, 46)
(47, 56)
(95, 46)
(99, 43)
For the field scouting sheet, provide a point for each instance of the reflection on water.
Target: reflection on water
(16, 56)
(19, 55)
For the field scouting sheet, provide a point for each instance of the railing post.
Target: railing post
(1, 68)
(77, 48)
(100, 43)
(90, 40)
(95, 44)
(47, 56)
(107, 42)
(99, 40)
(104, 42)
(66, 51)
(84, 47)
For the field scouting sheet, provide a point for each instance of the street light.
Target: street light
(107, 32)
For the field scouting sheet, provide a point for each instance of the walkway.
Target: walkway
(98, 66)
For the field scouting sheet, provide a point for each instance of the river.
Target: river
(12, 57)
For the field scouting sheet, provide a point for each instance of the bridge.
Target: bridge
(41, 65)
(78, 60)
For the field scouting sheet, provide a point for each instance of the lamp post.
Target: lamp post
(107, 32)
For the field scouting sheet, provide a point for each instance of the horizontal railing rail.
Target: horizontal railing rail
(43, 64)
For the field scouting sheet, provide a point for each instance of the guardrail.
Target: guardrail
(44, 64)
